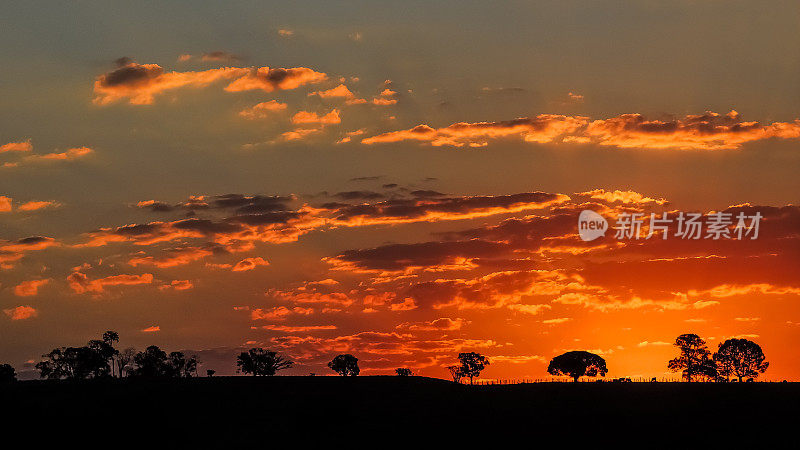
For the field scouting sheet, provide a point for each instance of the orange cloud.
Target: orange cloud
(557, 321)
(445, 208)
(21, 312)
(37, 205)
(387, 97)
(440, 324)
(29, 288)
(575, 98)
(407, 305)
(140, 83)
(340, 91)
(262, 110)
(70, 154)
(174, 257)
(153, 329)
(298, 329)
(11, 251)
(542, 129)
(177, 285)
(709, 131)
(80, 283)
(22, 146)
(622, 197)
(299, 133)
(249, 264)
(269, 80)
(306, 117)
(5, 204)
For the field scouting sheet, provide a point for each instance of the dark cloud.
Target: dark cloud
(443, 208)
(426, 193)
(398, 257)
(358, 195)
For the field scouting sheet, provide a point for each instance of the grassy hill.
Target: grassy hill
(249, 410)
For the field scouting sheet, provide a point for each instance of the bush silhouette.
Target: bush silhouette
(7, 374)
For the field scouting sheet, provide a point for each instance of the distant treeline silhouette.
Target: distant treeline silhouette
(735, 360)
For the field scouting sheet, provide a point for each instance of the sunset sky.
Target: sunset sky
(397, 180)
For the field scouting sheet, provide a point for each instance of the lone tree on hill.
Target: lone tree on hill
(695, 359)
(472, 364)
(7, 374)
(577, 364)
(403, 372)
(261, 362)
(345, 365)
(740, 358)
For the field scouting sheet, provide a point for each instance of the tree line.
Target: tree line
(735, 360)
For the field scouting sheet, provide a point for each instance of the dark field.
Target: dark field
(400, 411)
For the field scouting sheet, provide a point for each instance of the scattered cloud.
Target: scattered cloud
(37, 205)
(249, 264)
(263, 110)
(21, 146)
(5, 204)
(80, 283)
(30, 288)
(311, 118)
(21, 312)
(141, 83)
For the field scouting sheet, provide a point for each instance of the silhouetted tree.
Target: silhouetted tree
(110, 338)
(455, 372)
(210, 372)
(151, 363)
(180, 367)
(106, 351)
(576, 364)
(125, 358)
(91, 361)
(403, 372)
(7, 374)
(695, 359)
(740, 358)
(258, 361)
(472, 364)
(345, 365)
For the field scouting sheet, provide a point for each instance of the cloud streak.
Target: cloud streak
(708, 131)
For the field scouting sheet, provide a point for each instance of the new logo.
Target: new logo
(591, 225)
